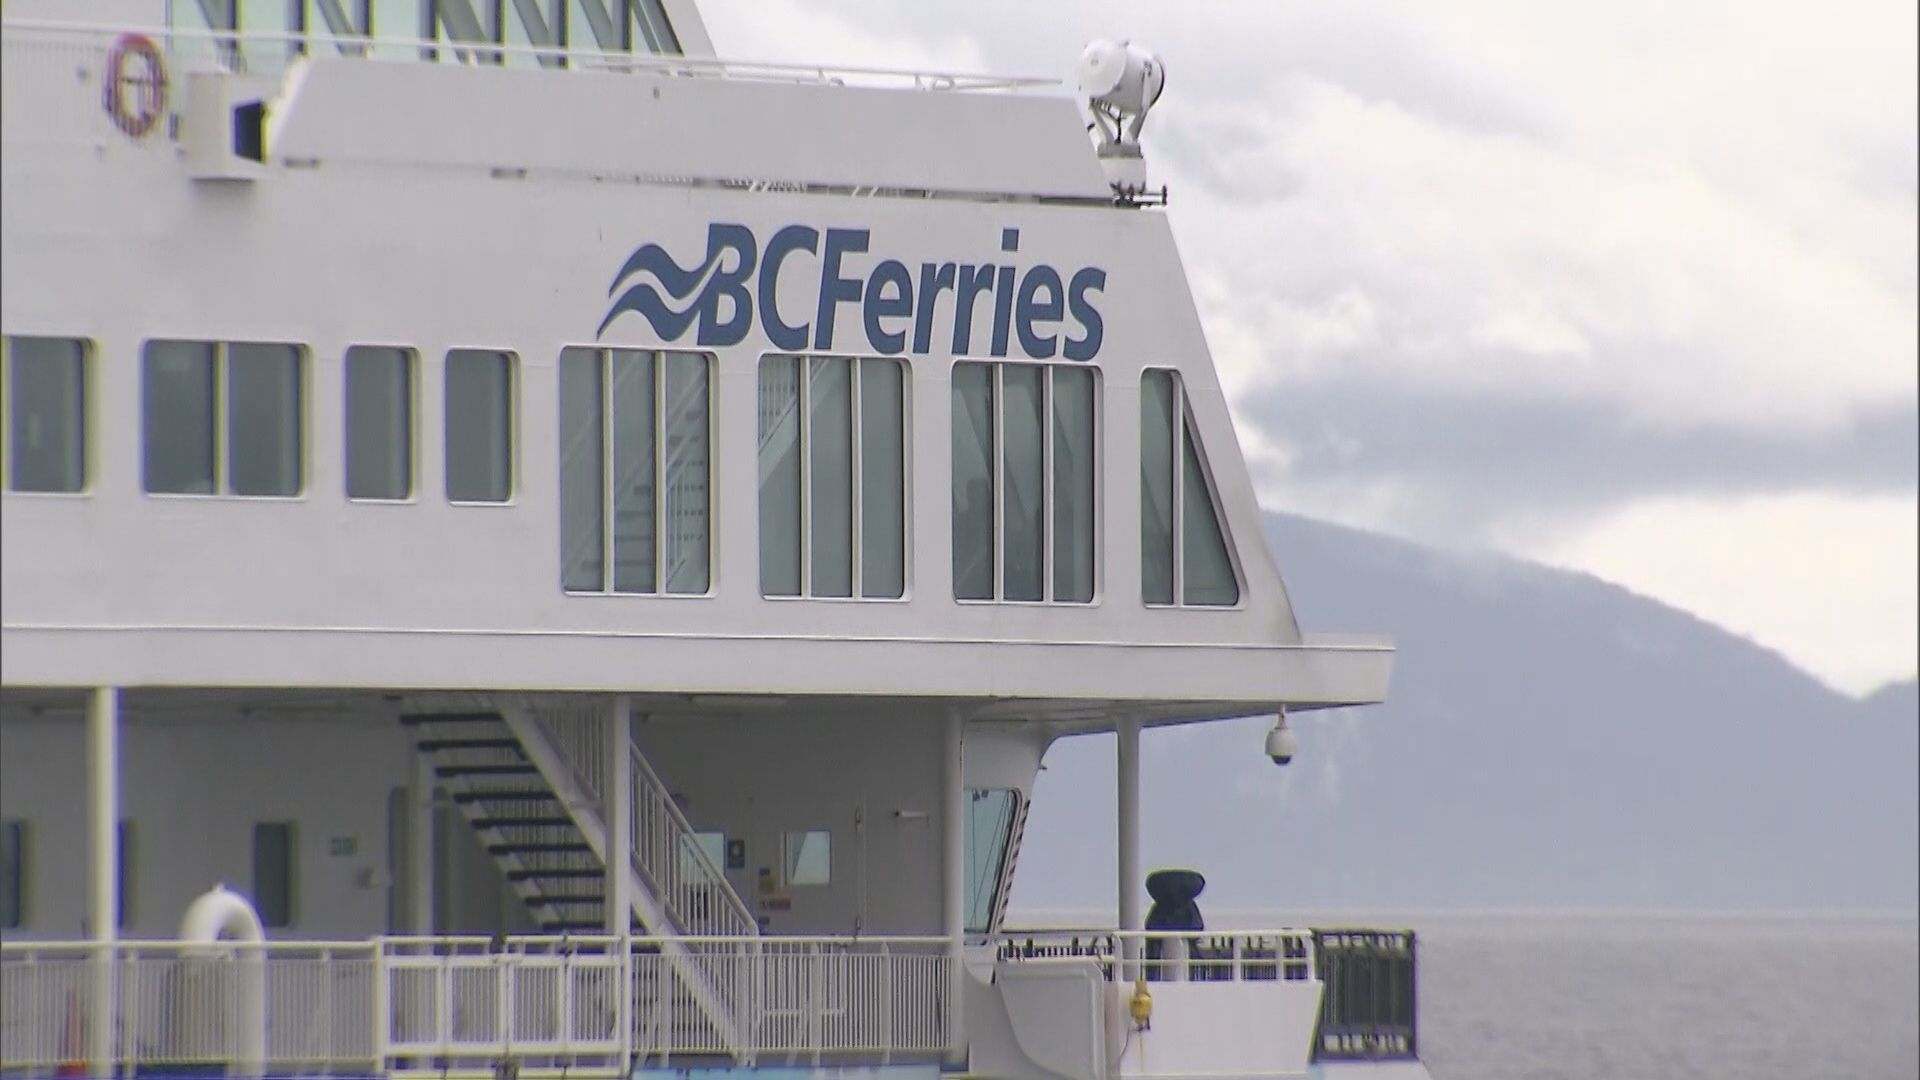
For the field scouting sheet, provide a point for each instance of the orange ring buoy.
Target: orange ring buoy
(135, 64)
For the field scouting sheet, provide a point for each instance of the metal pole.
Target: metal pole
(420, 844)
(103, 850)
(617, 801)
(1126, 732)
(953, 853)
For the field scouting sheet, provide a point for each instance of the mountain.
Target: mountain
(1550, 740)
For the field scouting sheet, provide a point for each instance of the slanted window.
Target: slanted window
(13, 874)
(379, 404)
(222, 417)
(832, 477)
(994, 817)
(1025, 447)
(1183, 548)
(808, 857)
(44, 381)
(480, 415)
(273, 867)
(636, 472)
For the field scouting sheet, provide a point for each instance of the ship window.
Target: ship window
(635, 452)
(13, 874)
(992, 815)
(44, 381)
(809, 857)
(480, 414)
(1024, 447)
(1183, 549)
(839, 530)
(273, 862)
(379, 422)
(222, 417)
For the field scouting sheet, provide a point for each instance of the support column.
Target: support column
(420, 853)
(953, 861)
(103, 860)
(617, 801)
(1126, 731)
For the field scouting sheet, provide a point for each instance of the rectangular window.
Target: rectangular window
(480, 412)
(1025, 447)
(223, 417)
(832, 477)
(809, 857)
(13, 874)
(379, 402)
(1183, 547)
(634, 454)
(45, 384)
(273, 868)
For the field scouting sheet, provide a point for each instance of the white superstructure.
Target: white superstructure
(452, 449)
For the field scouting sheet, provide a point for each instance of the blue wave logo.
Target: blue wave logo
(1035, 306)
(686, 288)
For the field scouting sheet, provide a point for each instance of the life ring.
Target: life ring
(136, 84)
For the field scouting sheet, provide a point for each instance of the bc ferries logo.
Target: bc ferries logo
(1046, 313)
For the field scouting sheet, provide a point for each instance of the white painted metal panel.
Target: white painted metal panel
(699, 126)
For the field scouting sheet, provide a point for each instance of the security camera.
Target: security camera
(1281, 743)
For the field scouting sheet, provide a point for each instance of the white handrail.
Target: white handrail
(594, 59)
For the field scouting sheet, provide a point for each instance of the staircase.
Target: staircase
(530, 782)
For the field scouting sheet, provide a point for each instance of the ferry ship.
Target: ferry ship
(533, 550)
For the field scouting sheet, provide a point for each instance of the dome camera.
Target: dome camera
(1281, 743)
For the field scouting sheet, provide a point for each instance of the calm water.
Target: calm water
(1649, 998)
(1655, 997)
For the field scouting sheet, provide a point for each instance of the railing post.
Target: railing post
(953, 812)
(382, 1026)
(103, 901)
(616, 797)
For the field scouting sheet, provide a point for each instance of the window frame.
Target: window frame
(413, 441)
(88, 424)
(514, 395)
(20, 852)
(788, 879)
(1186, 431)
(222, 420)
(1049, 541)
(603, 355)
(291, 829)
(857, 497)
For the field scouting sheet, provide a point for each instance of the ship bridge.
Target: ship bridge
(591, 543)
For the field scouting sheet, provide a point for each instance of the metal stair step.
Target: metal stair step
(452, 771)
(567, 873)
(515, 795)
(521, 822)
(417, 719)
(580, 847)
(557, 899)
(435, 746)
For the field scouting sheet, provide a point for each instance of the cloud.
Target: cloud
(1502, 271)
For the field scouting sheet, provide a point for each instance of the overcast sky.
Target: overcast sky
(1624, 287)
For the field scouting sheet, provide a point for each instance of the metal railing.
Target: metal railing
(665, 849)
(270, 52)
(1369, 1009)
(668, 854)
(582, 1003)
(1172, 956)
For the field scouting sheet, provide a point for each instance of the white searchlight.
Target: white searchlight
(1121, 82)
